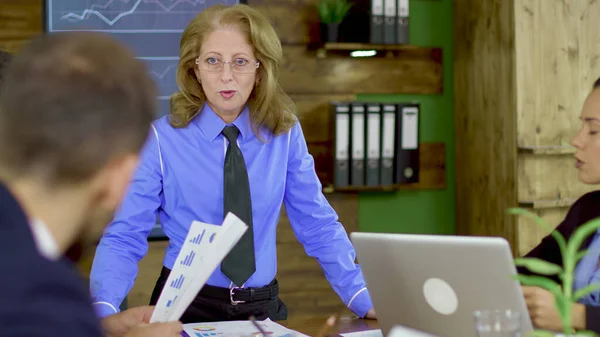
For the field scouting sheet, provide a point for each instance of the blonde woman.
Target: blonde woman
(231, 144)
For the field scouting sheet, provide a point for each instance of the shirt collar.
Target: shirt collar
(211, 124)
(44, 240)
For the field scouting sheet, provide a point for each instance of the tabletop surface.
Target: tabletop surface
(312, 326)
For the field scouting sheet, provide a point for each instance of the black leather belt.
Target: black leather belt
(235, 295)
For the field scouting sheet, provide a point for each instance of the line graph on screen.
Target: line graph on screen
(125, 16)
(163, 70)
(151, 28)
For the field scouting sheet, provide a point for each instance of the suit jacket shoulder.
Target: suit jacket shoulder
(39, 297)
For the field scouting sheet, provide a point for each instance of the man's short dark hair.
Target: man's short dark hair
(597, 84)
(70, 103)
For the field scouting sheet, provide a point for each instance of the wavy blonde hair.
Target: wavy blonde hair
(269, 105)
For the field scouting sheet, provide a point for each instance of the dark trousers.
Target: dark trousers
(207, 308)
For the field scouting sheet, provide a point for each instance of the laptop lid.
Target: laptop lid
(434, 283)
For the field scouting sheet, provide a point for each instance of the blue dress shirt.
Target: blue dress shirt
(181, 177)
(587, 272)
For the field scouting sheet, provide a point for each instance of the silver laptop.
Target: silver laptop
(434, 283)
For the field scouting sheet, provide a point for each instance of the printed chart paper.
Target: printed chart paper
(205, 246)
(238, 329)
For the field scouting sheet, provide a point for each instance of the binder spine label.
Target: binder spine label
(390, 8)
(377, 7)
(357, 172)
(403, 8)
(388, 145)
(410, 128)
(342, 146)
(373, 144)
(342, 122)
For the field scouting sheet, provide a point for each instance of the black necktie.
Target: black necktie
(239, 264)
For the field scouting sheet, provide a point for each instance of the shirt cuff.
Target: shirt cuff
(104, 309)
(360, 303)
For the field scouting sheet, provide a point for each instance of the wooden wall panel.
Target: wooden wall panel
(522, 71)
(303, 73)
(485, 123)
(549, 177)
(556, 68)
(20, 20)
(294, 20)
(304, 288)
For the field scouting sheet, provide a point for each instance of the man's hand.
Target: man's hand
(119, 324)
(168, 329)
(371, 314)
(543, 313)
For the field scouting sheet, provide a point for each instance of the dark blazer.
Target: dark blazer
(38, 297)
(584, 209)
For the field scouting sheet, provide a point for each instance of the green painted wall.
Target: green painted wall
(430, 212)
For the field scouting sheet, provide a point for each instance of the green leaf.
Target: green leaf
(542, 282)
(580, 255)
(560, 240)
(585, 290)
(539, 266)
(560, 301)
(586, 333)
(577, 238)
(542, 333)
(333, 11)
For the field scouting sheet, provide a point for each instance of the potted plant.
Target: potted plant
(331, 14)
(563, 293)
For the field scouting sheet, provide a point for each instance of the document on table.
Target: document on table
(367, 333)
(238, 329)
(396, 331)
(205, 246)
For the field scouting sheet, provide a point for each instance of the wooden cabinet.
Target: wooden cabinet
(522, 71)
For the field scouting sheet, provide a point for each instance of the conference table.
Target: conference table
(312, 326)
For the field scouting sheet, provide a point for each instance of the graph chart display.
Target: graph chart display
(239, 328)
(204, 247)
(152, 28)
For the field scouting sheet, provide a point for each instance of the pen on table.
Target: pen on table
(329, 323)
(262, 332)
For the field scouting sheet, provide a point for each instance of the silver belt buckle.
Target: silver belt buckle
(231, 293)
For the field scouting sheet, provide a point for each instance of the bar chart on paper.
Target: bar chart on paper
(170, 302)
(239, 328)
(197, 240)
(188, 259)
(204, 247)
(176, 283)
(152, 28)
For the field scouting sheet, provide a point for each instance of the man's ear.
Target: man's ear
(112, 181)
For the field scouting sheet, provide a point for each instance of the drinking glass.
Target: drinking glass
(497, 323)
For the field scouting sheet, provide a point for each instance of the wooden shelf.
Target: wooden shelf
(382, 50)
(547, 150)
(387, 188)
(543, 204)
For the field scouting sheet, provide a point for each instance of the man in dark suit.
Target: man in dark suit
(75, 110)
